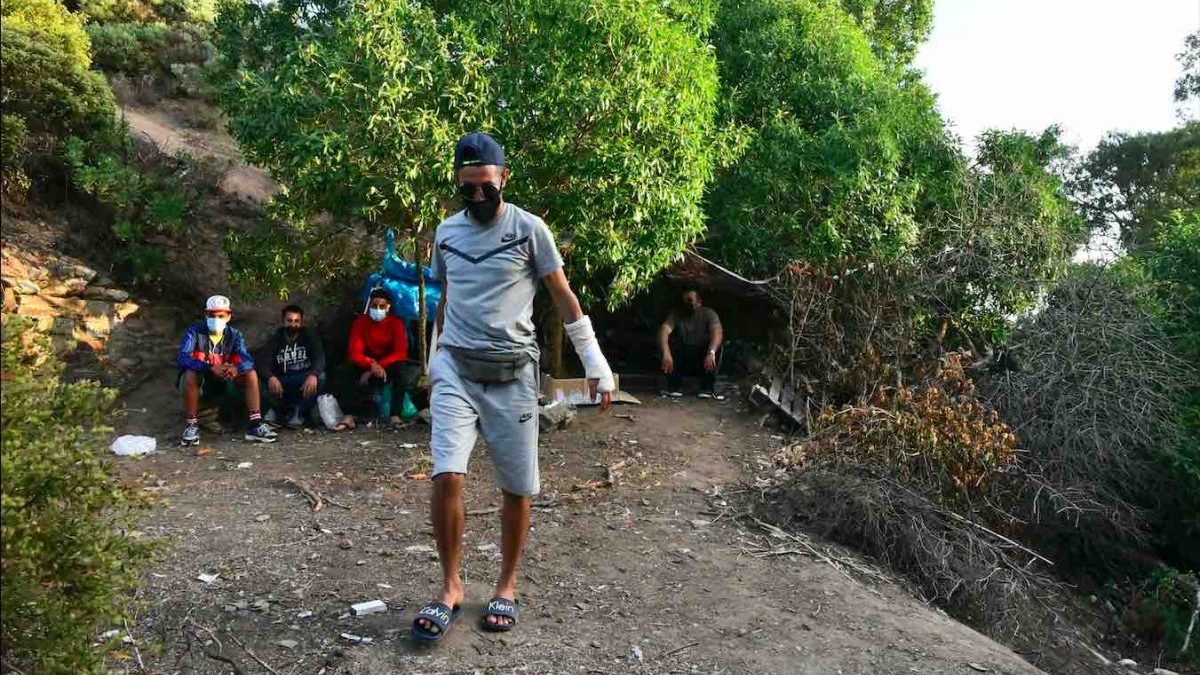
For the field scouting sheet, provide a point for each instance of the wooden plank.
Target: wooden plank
(776, 387)
(800, 407)
(786, 398)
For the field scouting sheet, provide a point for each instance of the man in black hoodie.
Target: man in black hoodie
(294, 369)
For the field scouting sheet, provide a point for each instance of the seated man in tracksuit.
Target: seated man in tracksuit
(294, 369)
(213, 363)
(379, 357)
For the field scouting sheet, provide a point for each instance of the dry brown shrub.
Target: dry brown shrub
(979, 575)
(937, 435)
(848, 327)
(909, 475)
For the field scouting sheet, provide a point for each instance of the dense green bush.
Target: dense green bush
(126, 47)
(149, 11)
(49, 93)
(13, 180)
(141, 200)
(66, 557)
(49, 22)
(49, 89)
(134, 48)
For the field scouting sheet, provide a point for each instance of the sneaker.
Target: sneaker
(270, 417)
(675, 394)
(704, 395)
(295, 421)
(261, 433)
(191, 435)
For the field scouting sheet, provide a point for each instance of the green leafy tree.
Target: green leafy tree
(1006, 230)
(826, 171)
(1187, 87)
(896, 28)
(605, 108)
(1171, 261)
(1132, 181)
(67, 560)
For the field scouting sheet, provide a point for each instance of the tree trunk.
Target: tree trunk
(418, 257)
(556, 345)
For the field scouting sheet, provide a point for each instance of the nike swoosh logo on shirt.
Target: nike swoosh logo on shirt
(476, 260)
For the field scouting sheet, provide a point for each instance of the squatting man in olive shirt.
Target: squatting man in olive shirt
(690, 340)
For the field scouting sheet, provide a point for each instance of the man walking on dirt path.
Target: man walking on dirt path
(484, 376)
(213, 362)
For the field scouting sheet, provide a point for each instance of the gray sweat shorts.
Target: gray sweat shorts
(506, 414)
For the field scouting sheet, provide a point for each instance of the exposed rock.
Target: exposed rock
(65, 306)
(22, 286)
(557, 415)
(66, 288)
(109, 294)
(63, 325)
(69, 270)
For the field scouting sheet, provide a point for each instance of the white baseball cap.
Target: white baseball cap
(217, 303)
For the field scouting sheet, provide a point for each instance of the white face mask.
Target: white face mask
(216, 325)
(377, 314)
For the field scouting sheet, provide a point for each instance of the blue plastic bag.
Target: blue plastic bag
(399, 278)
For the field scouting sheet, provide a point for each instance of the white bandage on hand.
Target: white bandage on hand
(594, 364)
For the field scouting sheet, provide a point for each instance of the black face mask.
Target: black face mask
(482, 211)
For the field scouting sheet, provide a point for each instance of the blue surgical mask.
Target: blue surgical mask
(376, 314)
(216, 325)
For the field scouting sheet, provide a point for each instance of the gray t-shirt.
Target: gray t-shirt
(693, 329)
(491, 274)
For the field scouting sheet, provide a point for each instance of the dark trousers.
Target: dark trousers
(402, 378)
(292, 399)
(689, 362)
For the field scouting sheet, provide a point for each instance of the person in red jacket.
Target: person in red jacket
(379, 356)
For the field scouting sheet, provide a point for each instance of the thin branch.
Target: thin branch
(246, 649)
(1187, 638)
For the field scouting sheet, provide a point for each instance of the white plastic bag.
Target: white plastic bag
(329, 410)
(134, 446)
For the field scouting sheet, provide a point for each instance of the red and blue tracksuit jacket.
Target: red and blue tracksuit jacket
(199, 353)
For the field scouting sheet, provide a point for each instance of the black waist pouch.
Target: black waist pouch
(488, 368)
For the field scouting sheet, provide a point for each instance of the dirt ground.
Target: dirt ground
(654, 574)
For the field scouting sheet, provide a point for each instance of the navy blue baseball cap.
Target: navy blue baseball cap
(477, 149)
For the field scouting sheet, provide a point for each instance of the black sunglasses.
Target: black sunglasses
(468, 190)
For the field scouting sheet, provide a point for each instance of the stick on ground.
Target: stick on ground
(246, 649)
